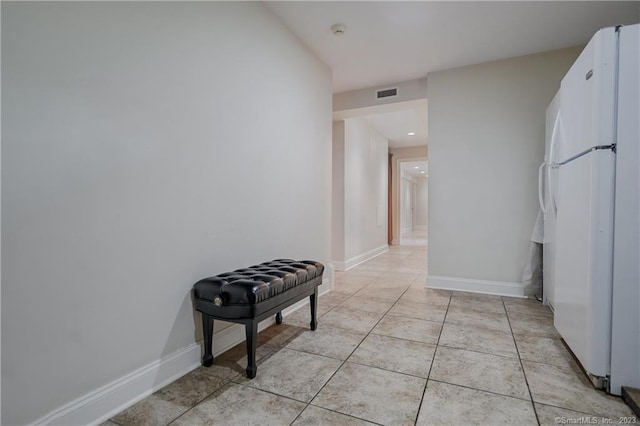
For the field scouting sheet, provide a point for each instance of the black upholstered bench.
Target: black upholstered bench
(249, 295)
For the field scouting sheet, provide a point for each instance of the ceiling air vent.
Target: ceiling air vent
(386, 93)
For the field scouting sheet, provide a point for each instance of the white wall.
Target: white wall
(337, 204)
(422, 203)
(486, 141)
(145, 146)
(365, 187)
(400, 154)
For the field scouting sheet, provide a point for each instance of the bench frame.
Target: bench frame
(259, 312)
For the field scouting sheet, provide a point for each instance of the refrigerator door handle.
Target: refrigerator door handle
(551, 189)
(541, 200)
(611, 147)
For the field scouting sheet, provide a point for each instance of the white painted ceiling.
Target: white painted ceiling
(391, 41)
(397, 125)
(415, 168)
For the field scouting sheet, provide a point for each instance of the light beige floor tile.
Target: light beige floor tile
(389, 353)
(468, 317)
(328, 341)
(446, 404)
(349, 287)
(405, 308)
(330, 300)
(522, 301)
(367, 392)
(151, 411)
(389, 283)
(521, 310)
(534, 326)
(425, 295)
(368, 268)
(279, 335)
(480, 371)
(421, 279)
(359, 270)
(351, 319)
(476, 296)
(294, 374)
(399, 274)
(547, 350)
(569, 388)
(316, 416)
(171, 401)
(339, 293)
(552, 416)
(351, 278)
(409, 328)
(301, 318)
(368, 304)
(234, 361)
(478, 339)
(387, 293)
(524, 313)
(242, 405)
(477, 303)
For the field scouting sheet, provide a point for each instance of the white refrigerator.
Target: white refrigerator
(546, 175)
(592, 208)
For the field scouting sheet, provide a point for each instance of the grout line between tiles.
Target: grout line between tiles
(435, 352)
(479, 390)
(200, 401)
(479, 352)
(524, 374)
(337, 412)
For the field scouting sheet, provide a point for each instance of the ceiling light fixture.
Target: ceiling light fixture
(416, 167)
(338, 29)
(411, 134)
(422, 172)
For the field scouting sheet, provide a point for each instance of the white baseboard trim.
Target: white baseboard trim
(497, 288)
(356, 260)
(420, 228)
(107, 401)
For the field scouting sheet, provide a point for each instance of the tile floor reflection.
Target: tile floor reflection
(389, 351)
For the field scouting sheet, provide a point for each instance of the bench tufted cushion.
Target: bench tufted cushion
(257, 283)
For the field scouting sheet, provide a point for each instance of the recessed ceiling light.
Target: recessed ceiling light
(416, 167)
(411, 134)
(422, 172)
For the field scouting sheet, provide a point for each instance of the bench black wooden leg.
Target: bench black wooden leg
(207, 331)
(251, 329)
(279, 318)
(313, 301)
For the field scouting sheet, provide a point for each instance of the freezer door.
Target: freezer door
(587, 97)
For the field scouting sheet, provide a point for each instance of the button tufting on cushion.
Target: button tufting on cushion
(257, 283)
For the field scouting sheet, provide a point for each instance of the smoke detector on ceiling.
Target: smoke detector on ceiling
(338, 29)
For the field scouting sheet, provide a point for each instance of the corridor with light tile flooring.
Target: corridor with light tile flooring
(389, 351)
